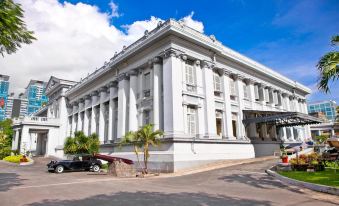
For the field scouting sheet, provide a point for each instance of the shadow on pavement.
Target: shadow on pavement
(263, 182)
(9, 180)
(155, 198)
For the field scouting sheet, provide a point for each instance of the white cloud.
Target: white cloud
(72, 40)
(197, 25)
(114, 8)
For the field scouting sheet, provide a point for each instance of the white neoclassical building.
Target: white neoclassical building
(212, 103)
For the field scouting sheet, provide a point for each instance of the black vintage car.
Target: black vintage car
(79, 163)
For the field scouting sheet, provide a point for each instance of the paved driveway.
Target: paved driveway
(238, 185)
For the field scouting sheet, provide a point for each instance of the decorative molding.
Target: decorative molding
(113, 84)
(122, 76)
(197, 62)
(133, 72)
(94, 93)
(103, 89)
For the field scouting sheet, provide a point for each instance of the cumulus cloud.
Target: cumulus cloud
(73, 40)
(197, 25)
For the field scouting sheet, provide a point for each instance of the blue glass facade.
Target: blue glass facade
(326, 107)
(4, 85)
(36, 97)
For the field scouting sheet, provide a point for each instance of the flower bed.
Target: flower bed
(16, 159)
(311, 162)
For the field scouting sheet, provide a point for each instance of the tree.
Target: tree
(81, 143)
(328, 67)
(13, 31)
(6, 134)
(143, 139)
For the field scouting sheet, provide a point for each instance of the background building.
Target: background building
(4, 85)
(16, 106)
(35, 94)
(328, 108)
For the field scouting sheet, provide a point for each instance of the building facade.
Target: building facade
(4, 86)
(35, 94)
(211, 102)
(326, 107)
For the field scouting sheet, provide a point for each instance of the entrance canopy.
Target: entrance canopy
(280, 119)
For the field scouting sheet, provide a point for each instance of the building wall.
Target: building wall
(35, 94)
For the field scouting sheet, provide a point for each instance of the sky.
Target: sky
(77, 36)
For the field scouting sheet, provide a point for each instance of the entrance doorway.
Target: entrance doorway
(41, 145)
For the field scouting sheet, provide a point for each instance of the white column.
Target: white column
(133, 86)
(172, 84)
(157, 67)
(240, 88)
(307, 127)
(86, 115)
(228, 129)
(74, 119)
(209, 103)
(103, 92)
(252, 126)
(80, 121)
(122, 105)
(290, 129)
(93, 121)
(201, 107)
(111, 118)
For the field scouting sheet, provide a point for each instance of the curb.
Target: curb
(218, 165)
(311, 186)
(18, 164)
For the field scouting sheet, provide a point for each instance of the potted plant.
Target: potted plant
(283, 154)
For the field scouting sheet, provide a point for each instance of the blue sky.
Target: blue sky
(287, 35)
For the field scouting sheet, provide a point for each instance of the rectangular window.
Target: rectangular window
(190, 75)
(256, 92)
(246, 94)
(217, 82)
(267, 95)
(147, 84)
(191, 120)
(233, 91)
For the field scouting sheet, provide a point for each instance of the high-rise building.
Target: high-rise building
(328, 108)
(4, 85)
(16, 107)
(35, 94)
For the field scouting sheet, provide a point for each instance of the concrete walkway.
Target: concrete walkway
(242, 184)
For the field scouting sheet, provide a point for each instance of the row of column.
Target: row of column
(112, 110)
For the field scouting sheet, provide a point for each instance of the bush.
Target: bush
(304, 161)
(4, 152)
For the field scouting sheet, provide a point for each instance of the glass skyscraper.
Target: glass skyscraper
(4, 85)
(35, 93)
(326, 107)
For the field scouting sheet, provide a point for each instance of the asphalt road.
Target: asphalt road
(238, 185)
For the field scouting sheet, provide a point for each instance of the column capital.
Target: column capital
(122, 76)
(113, 84)
(284, 94)
(88, 96)
(81, 100)
(133, 72)
(197, 62)
(94, 93)
(103, 89)
(249, 81)
(207, 64)
(157, 60)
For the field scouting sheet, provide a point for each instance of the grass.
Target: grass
(328, 177)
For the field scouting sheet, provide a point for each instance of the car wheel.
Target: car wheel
(96, 168)
(59, 169)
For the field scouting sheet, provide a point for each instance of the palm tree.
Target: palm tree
(143, 139)
(328, 67)
(131, 137)
(81, 143)
(148, 137)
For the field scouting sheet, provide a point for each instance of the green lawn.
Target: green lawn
(328, 177)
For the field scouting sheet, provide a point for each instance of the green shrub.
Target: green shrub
(4, 152)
